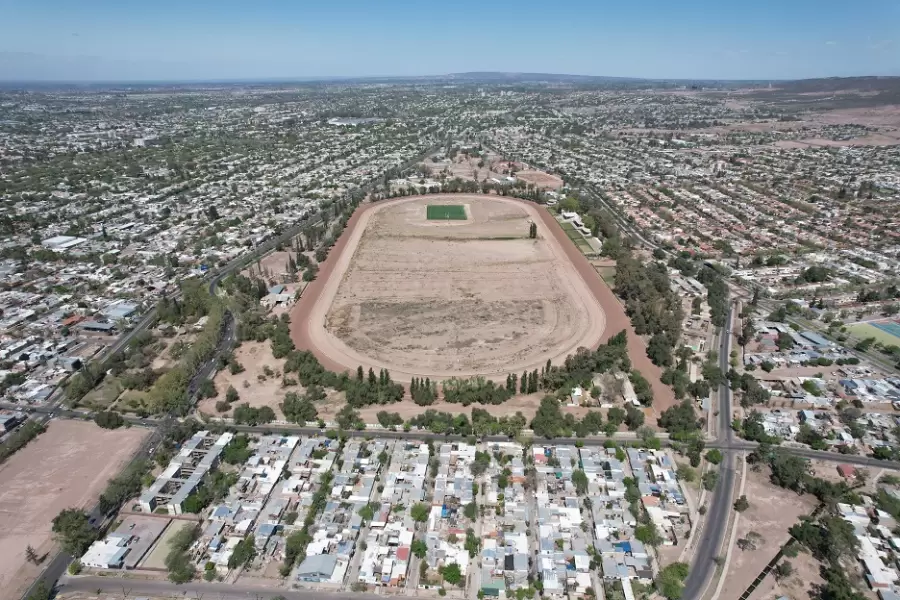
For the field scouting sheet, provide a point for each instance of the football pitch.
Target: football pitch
(884, 332)
(446, 212)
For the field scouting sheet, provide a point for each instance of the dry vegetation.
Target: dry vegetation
(438, 299)
(773, 510)
(67, 466)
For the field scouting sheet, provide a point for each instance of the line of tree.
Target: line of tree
(424, 392)
(360, 390)
(650, 303)
(579, 368)
(20, 438)
(109, 419)
(550, 422)
(475, 389)
(244, 414)
(302, 409)
(170, 392)
(178, 561)
(295, 546)
(716, 294)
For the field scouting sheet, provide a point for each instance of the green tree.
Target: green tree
(73, 531)
(452, 574)
(420, 512)
(648, 534)
(244, 552)
(580, 481)
(714, 456)
(670, 581)
(419, 548)
(783, 570)
(231, 395)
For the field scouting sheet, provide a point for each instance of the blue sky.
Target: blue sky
(199, 39)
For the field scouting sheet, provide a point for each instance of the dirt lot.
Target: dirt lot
(254, 357)
(540, 179)
(67, 466)
(772, 511)
(616, 320)
(798, 586)
(156, 556)
(453, 298)
(271, 266)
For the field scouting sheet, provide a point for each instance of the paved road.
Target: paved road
(720, 504)
(112, 587)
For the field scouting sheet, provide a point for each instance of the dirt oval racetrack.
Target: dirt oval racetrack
(458, 298)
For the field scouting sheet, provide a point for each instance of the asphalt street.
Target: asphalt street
(704, 564)
(117, 587)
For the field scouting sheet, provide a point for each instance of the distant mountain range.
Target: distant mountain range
(34, 71)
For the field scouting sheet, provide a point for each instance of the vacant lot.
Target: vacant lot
(254, 386)
(799, 585)
(451, 298)
(156, 557)
(540, 179)
(67, 466)
(772, 512)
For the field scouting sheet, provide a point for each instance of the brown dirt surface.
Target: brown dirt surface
(772, 512)
(67, 466)
(253, 356)
(799, 585)
(540, 179)
(274, 264)
(453, 298)
(314, 304)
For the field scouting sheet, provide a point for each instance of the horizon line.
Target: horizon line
(472, 75)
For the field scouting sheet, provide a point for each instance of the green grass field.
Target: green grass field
(864, 330)
(446, 212)
(607, 274)
(102, 396)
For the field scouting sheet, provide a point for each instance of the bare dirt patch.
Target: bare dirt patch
(453, 298)
(271, 266)
(540, 179)
(799, 585)
(772, 512)
(252, 384)
(66, 466)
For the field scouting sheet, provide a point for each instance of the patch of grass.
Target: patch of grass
(864, 330)
(133, 400)
(102, 396)
(446, 212)
(607, 274)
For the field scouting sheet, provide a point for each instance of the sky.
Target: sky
(185, 40)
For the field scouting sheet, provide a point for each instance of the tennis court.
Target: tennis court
(891, 327)
(446, 212)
